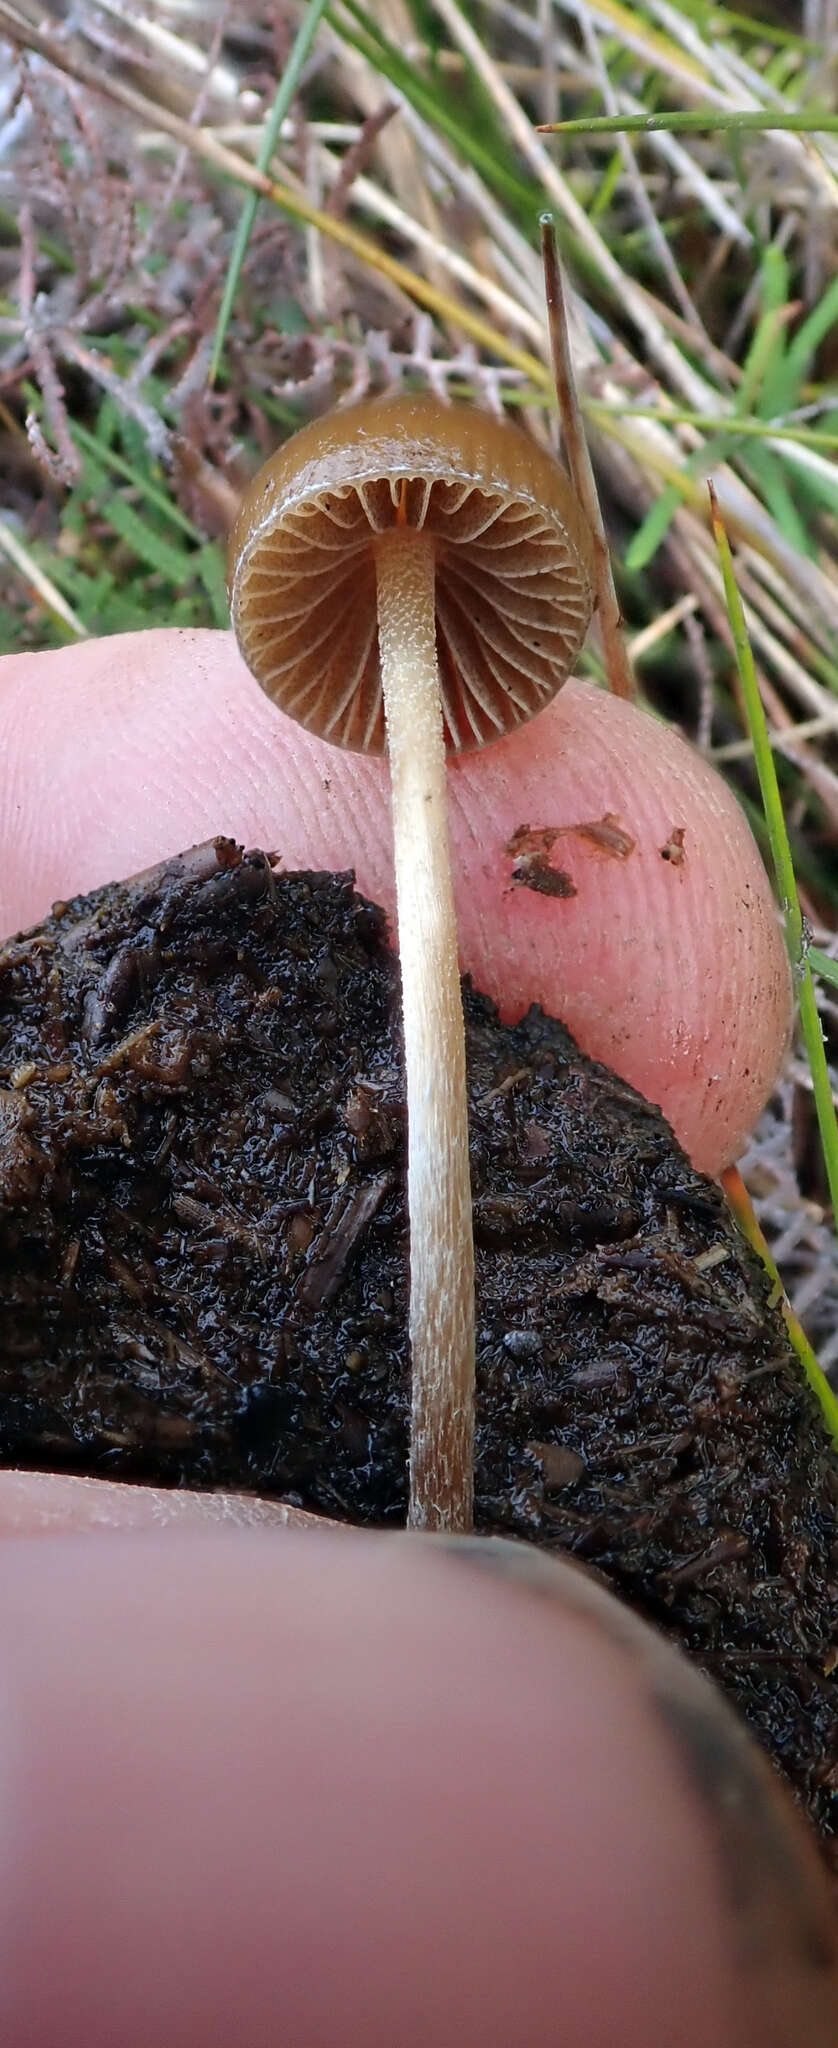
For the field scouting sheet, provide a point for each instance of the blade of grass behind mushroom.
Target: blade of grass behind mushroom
(783, 864)
(287, 87)
(743, 1209)
(579, 463)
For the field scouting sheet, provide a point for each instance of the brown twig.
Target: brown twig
(617, 666)
(357, 158)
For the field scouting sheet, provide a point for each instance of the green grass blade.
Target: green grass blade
(147, 544)
(285, 94)
(737, 429)
(210, 566)
(701, 121)
(653, 529)
(768, 341)
(743, 1209)
(714, 18)
(824, 965)
(152, 494)
(766, 467)
(491, 161)
(611, 179)
(793, 370)
(781, 856)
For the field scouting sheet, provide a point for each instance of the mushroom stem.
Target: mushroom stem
(439, 1186)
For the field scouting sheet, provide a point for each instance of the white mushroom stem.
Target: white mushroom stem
(439, 1186)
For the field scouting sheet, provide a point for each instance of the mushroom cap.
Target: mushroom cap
(514, 567)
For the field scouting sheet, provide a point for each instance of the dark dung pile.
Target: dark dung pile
(203, 1268)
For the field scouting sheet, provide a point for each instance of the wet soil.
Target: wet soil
(203, 1272)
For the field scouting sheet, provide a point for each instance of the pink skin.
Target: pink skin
(672, 972)
(242, 1790)
(324, 1788)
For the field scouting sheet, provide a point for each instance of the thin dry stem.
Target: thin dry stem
(618, 670)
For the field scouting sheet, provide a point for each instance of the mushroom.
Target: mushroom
(409, 576)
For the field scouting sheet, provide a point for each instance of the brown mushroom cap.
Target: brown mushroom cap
(514, 567)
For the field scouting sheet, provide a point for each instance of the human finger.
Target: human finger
(64, 1504)
(373, 1790)
(648, 925)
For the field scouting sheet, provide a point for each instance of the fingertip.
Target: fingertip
(64, 1504)
(648, 924)
(346, 1788)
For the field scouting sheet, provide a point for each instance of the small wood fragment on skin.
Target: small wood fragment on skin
(607, 833)
(534, 872)
(532, 841)
(530, 848)
(673, 851)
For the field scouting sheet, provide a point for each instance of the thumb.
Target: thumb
(653, 935)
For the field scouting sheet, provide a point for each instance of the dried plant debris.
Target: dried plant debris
(674, 849)
(203, 1261)
(531, 846)
(530, 849)
(608, 833)
(532, 871)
